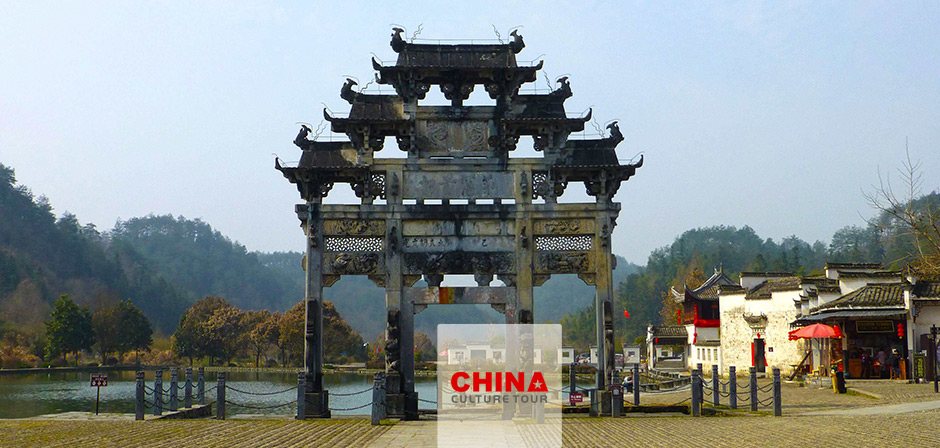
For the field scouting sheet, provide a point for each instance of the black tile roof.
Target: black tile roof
(708, 290)
(876, 274)
(669, 331)
(765, 289)
(853, 266)
(925, 289)
(873, 295)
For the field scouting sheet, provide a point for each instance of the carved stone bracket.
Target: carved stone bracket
(589, 279)
(507, 279)
(330, 280)
(354, 227)
(540, 279)
(378, 279)
(410, 280)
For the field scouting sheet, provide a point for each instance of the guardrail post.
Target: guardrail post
(201, 386)
(732, 388)
(158, 393)
(696, 398)
(174, 387)
(754, 403)
(220, 398)
(139, 401)
(188, 389)
(716, 394)
(636, 384)
(778, 406)
(301, 403)
(378, 398)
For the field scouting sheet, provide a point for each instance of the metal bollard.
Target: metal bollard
(696, 398)
(636, 384)
(158, 393)
(378, 399)
(139, 401)
(188, 389)
(201, 386)
(732, 388)
(753, 388)
(594, 411)
(220, 398)
(778, 405)
(616, 395)
(572, 379)
(715, 382)
(174, 387)
(301, 397)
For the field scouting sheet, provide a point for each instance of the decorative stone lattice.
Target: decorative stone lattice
(378, 185)
(540, 185)
(354, 244)
(562, 243)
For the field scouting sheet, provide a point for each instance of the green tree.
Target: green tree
(137, 330)
(291, 338)
(69, 330)
(106, 323)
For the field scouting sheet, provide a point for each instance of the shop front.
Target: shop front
(870, 342)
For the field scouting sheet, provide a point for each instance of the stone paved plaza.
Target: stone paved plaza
(888, 413)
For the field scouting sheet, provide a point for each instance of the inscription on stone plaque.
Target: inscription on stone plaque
(468, 228)
(454, 243)
(458, 185)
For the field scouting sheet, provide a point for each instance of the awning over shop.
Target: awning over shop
(857, 314)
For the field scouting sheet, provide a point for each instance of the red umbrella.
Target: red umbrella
(815, 331)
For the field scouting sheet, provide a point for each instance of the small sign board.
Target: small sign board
(576, 397)
(874, 326)
(920, 366)
(99, 380)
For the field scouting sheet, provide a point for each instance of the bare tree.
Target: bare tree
(917, 220)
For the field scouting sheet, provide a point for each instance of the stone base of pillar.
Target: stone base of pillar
(411, 406)
(317, 404)
(604, 397)
(395, 405)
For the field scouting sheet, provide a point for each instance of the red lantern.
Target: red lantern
(626, 314)
(900, 331)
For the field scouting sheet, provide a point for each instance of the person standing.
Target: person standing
(895, 362)
(882, 359)
(866, 364)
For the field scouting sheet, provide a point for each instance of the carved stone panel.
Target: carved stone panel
(353, 227)
(458, 185)
(455, 243)
(564, 227)
(442, 136)
(345, 263)
(458, 262)
(563, 262)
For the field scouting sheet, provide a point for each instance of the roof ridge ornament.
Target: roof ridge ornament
(398, 43)
(517, 44)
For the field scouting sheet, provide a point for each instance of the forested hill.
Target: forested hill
(42, 257)
(201, 260)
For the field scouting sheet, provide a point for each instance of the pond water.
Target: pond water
(39, 394)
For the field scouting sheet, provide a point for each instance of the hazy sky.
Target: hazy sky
(777, 115)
